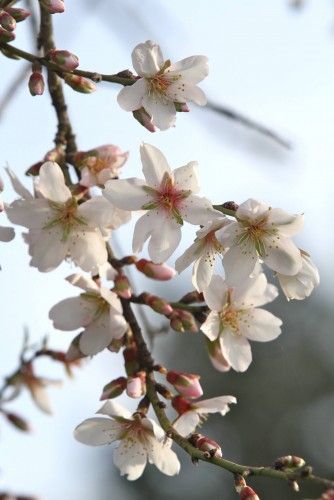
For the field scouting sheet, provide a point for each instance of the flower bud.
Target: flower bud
(206, 445)
(114, 388)
(181, 405)
(18, 422)
(289, 462)
(158, 304)
(18, 14)
(248, 493)
(144, 119)
(6, 36)
(64, 59)
(136, 386)
(122, 286)
(79, 83)
(7, 21)
(160, 272)
(328, 495)
(216, 356)
(183, 321)
(187, 384)
(53, 6)
(36, 83)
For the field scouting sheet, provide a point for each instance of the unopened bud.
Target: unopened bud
(144, 119)
(18, 14)
(64, 59)
(248, 493)
(131, 360)
(187, 320)
(18, 422)
(216, 356)
(289, 462)
(6, 36)
(136, 386)
(122, 286)
(187, 384)
(158, 304)
(328, 495)
(36, 83)
(114, 388)
(53, 6)
(7, 21)
(206, 445)
(181, 405)
(80, 84)
(160, 272)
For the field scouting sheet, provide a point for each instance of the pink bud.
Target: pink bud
(247, 493)
(6, 36)
(7, 21)
(187, 384)
(80, 84)
(114, 388)
(206, 445)
(53, 6)
(136, 386)
(181, 405)
(122, 286)
(328, 495)
(160, 272)
(158, 305)
(144, 119)
(36, 83)
(18, 14)
(64, 59)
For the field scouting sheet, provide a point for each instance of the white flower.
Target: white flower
(98, 310)
(141, 440)
(261, 232)
(162, 84)
(235, 317)
(203, 252)
(6, 233)
(59, 227)
(197, 412)
(168, 198)
(301, 284)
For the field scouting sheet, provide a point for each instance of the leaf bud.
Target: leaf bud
(114, 389)
(289, 462)
(79, 83)
(53, 6)
(7, 21)
(18, 14)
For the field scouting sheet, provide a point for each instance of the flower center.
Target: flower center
(230, 318)
(254, 232)
(66, 216)
(102, 305)
(159, 83)
(95, 164)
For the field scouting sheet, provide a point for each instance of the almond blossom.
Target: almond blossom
(301, 284)
(203, 252)
(98, 310)
(6, 233)
(167, 196)
(100, 164)
(163, 84)
(59, 227)
(141, 440)
(236, 317)
(261, 232)
(193, 414)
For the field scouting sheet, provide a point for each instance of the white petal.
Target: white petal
(41, 398)
(186, 423)
(302, 284)
(130, 457)
(163, 458)
(198, 210)
(19, 188)
(211, 326)
(236, 350)
(252, 209)
(52, 183)
(83, 282)
(88, 249)
(6, 233)
(127, 194)
(164, 240)
(203, 271)
(147, 58)
(283, 257)
(143, 229)
(70, 314)
(33, 214)
(47, 249)
(130, 97)
(161, 109)
(188, 257)
(98, 212)
(154, 163)
(118, 325)
(186, 177)
(261, 326)
(96, 336)
(216, 293)
(287, 224)
(114, 409)
(184, 92)
(213, 405)
(97, 431)
(239, 264)
(192, 69)
(254, 292)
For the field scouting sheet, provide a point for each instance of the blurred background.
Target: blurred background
(272, 61)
